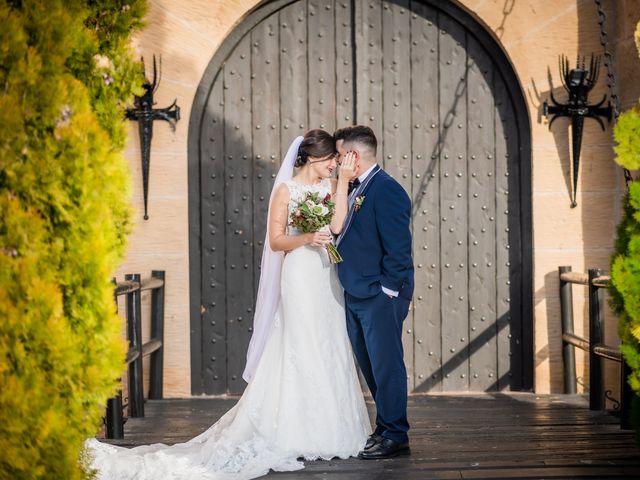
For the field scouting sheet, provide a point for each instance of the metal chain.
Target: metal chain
(611, 79)
(608, 61)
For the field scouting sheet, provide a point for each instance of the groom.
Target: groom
(377, 276)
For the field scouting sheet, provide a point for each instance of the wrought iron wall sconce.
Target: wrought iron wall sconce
(578, 82)
(144, 113)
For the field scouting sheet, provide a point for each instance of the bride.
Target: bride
(303, 399)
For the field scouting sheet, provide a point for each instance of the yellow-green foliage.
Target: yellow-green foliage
(65, 76)
(625, 275)
(627, 134)
(625, 266)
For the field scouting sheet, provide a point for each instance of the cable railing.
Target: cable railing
(133, 287)
(594, 345)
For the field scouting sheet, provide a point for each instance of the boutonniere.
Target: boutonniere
(359, 202)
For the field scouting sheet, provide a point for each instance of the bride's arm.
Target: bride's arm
(340, 189)
(278, 219)
(341, 200)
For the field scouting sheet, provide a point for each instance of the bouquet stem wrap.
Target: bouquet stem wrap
(334, 255)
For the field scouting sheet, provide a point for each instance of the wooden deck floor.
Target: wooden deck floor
(480, 437)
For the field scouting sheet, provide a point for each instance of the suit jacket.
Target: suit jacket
(376, 240)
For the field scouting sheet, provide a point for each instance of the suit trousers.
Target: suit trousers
(374, 326)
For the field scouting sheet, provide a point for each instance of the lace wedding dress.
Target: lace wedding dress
(304, 399)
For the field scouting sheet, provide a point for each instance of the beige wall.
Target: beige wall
(533, 32)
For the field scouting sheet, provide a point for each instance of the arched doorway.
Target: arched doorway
(453, 127)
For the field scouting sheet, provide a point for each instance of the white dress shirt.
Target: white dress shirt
(363, 176)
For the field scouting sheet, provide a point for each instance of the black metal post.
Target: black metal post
(157, 332)
(115, 422)
(134, 335)
(596, 337)
(566, 316)
(115, 295)
(626, 396)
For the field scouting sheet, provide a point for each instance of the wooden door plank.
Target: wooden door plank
(503, 280)
(426, 197)
(345, 61)
(508, 243)
(239, 218)
(396, 84)
(482, 220)
(265, 107)
(395, 147)
(517, 298)
(453, 205)
(369, 66)
(322, 64)
(293, 74)
(212, 227)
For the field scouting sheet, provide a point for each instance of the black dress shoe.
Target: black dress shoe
(372, 441)
(387, 448)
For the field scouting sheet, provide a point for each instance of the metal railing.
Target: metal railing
(598, 351)
(133, 287)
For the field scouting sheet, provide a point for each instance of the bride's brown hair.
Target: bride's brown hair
(318, 144)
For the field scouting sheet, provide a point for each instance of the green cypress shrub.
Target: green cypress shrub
(66, 74)
(625, 264)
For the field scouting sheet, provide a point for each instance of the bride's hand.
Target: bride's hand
(319, 239)
(347, 170)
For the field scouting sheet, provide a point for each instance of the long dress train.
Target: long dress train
(304, 400)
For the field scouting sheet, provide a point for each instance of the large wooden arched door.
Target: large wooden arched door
(452, 125)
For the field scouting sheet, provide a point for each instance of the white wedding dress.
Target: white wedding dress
(304, 399)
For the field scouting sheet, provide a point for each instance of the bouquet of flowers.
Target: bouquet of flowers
(311, 215)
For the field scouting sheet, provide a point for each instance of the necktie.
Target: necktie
(353, 185)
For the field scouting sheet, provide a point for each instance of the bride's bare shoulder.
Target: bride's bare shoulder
(282, 193)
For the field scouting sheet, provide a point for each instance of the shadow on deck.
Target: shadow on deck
(481, 437)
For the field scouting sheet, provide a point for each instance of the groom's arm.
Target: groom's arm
(393, 220)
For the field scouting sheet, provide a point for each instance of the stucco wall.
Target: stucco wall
(533, 32)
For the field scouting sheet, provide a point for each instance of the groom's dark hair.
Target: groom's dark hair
(358, 133)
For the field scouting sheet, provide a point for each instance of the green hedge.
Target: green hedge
(625, 265)
(65, 75)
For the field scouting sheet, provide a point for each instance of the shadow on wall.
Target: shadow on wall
(560, 127)
(592, 222)
(507, 8)
(156, 243)
(601, 180)
(177, 78)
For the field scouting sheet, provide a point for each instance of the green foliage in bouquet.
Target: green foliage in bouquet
(312, 214)
(66, 73)
(625, 265)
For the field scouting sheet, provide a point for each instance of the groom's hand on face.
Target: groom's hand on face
(349, 165)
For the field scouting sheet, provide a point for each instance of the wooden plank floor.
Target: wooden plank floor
(463, 437)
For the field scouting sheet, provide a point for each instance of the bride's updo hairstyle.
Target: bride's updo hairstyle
(318, 144)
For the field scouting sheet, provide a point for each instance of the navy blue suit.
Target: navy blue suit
(376, 247)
